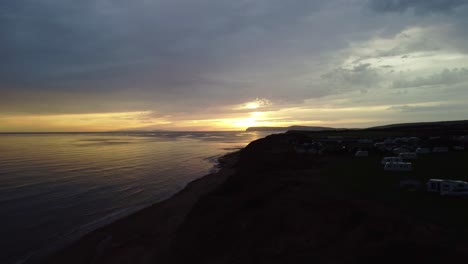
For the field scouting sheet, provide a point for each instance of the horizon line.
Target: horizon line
(245, 130)
(134, 131)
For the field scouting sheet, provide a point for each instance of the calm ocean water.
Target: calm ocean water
(55, 187)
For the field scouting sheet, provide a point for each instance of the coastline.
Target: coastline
(280, 206)
(135, 236)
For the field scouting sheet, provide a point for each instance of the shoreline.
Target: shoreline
(279, 206)
(160, 220)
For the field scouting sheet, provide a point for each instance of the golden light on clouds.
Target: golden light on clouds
(266, 72)
(255, 104)
(78, 122)
(252, 105)
(250, 120)
(231, 121)
(310, 113)
(146, 120)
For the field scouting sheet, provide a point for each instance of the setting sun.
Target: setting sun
(255, 104)
(252, 105)
(247, 122)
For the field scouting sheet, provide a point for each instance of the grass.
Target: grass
(365, 177)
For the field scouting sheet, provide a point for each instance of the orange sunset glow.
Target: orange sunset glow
(128, 68)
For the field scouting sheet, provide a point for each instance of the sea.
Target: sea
(56, 187)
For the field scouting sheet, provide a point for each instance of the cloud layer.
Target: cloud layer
(195, 62)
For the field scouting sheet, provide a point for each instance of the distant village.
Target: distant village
(398, 156)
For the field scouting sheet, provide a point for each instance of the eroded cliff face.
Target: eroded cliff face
(280, 208)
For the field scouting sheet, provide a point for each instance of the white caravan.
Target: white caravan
(440, 150)
(385, 160)
(448, 187)
(300, 149)
(423, 150)
(408, 155)
(398, 166)
(362, 153)
(399, 150)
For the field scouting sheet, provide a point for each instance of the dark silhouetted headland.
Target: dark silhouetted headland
(463, 124)
(302, 128)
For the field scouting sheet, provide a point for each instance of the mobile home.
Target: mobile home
(440, 149)
(385, 160)
(379, 145)
(300, 149)
(408, 155)
(447, 187)
(423, 150)
(399, 150)
(362, 153)
(398, 166)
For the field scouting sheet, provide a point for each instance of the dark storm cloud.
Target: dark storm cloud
(184, 56)
(163, 49)
(360, 75)
(420, 6)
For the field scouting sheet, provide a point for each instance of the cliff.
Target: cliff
(301, 128)
(277, 206)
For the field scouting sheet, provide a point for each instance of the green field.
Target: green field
(365, 178)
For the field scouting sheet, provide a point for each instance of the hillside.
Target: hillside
(301, 128)
(425, 125)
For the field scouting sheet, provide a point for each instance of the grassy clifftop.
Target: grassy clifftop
(281, 207)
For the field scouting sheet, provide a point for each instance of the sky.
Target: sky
(105, 65)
